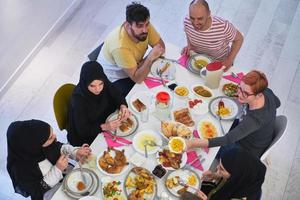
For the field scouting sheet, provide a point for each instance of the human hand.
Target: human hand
(124, 113)
(185, 51)
(208, 176)
(83, 152)
(200, 194)
(156, 51)
(111, 125)
(227, 63)
(62, 162)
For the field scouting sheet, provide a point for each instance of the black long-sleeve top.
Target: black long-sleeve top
(255, 132)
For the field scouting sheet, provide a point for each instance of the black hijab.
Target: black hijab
(91, 71)
(25, 151)
(247, 174)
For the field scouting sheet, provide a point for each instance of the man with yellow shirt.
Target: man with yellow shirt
(123, 53)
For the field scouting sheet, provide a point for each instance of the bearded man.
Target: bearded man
(123, 53)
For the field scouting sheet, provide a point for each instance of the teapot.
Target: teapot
(212, 74)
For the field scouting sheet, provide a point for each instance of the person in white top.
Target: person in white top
(35, 160)
(211, 35)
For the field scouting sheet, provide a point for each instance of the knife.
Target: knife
(168, 59)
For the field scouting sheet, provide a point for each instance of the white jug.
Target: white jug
(213, 73)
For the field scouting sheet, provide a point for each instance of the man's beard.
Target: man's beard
(142, 37)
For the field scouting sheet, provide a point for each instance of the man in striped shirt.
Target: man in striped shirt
(211, 35)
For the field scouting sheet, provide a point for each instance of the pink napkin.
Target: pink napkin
(235, 80)
(192, 155)
(111, 143)
(152, 82)
(183, 60)
(196, 135)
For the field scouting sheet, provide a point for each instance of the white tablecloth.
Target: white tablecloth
(183, 77)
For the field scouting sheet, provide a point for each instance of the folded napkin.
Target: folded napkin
(196, 135)
(152, 82)
(111, 143)
(183, 60)
(191, 156)
(233, 79)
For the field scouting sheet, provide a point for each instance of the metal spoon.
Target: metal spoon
(161, 78)
(152, 143)
(146, 151)
(234, 75)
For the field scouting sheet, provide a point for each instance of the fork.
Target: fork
(159, 73)
(182, 182)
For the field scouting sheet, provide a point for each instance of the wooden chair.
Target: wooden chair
(95, 53)
(61, 103)
(280, 126)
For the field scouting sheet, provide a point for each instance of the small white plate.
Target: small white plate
(140, 137)
(199, 108)
(144, 96)
(206, 88)
(89, 198)
(112, 153)
(106, 180)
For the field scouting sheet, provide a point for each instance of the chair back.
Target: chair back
(61, 103)
(280, 126)
(95, 53)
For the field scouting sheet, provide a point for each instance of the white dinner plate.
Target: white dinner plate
(229, 103)
(70, 181)
(140, 137)
(145, 97)
(129, 131)
(184, 175)
(213, 122)
(112, 153)
(119, 185)
(158, 64)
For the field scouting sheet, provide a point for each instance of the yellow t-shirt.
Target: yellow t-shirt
(120, 50)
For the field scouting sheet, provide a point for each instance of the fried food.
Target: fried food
(200, 90)
(113, 165)
(172, 182)
(208, 130)
(171, 129)
(170, 159)
(126, 125)
(183, 116)
(139, 106)
(139, 182)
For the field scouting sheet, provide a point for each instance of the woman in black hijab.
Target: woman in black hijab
(93, 100)
(35, 159)
(239, 174)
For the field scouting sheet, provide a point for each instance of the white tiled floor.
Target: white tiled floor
(272, 40)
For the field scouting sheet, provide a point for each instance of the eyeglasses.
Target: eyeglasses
(244, 93)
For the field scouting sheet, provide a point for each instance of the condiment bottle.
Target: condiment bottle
(162, 105)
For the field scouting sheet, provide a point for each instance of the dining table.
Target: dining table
(182, 77)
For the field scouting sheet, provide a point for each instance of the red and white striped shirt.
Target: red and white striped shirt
(214, 41)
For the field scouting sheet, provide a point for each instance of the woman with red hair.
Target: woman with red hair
(254, 130)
